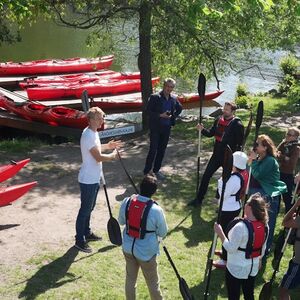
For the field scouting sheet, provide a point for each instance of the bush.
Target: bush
(293, 94)
(289, 64)
(285, 84)
(242, 101)
(242, 90)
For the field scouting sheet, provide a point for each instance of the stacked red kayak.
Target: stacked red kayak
(53, 66)
(14, 192)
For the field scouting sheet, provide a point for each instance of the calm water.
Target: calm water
(48, 40)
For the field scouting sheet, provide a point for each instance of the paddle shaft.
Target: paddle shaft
(248, 128)
(106, 195)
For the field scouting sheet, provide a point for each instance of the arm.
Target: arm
(289, 220)
(99, 157)
(121, 217)
(263, 168)
(210, 132)
(111, 145)
(178, 108)
(162, 227)
(233, 185)
(240, 132)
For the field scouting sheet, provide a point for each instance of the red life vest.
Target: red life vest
(258, 233)
(244, 176)
(136, 214)
(221, 127)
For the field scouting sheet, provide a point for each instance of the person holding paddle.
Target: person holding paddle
(144, 222)
(162, 108)
(291, 279)
(227, 130)
(288, 155)
(265, 178)
(90, 174)
(243, 266)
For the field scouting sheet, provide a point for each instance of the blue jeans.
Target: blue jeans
(273, 211)
(88, 196)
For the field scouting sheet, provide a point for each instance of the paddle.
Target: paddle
(201, 92)
(266, 291)
(281, 239)
(113, 227)
(227, 169)
(85, 101)
(258, 121)
(183, 287)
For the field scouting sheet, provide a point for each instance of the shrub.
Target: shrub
(242, 101)
(285, 84)
(293, 94)
(242, 90)
(289, 64)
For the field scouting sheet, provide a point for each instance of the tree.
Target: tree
(180, 36)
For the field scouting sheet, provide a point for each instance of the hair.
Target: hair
(170, 80)
(148, 186)
(259, 207)
(295, 130)
(267, 142)
(93, 111)
(232, 105)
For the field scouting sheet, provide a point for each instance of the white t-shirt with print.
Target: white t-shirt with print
(90, 170)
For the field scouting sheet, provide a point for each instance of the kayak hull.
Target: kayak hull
(14, 192)
(8, 171)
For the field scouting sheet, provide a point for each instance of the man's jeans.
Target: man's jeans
(88, 201)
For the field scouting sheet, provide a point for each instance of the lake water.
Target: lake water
(45, 39)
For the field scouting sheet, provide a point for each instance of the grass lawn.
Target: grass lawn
(67, 274)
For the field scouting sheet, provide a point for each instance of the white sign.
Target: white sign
(116, 131)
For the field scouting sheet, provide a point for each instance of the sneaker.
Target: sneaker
(93, 237)
(218, 252)
(84, 247)
(160, 176)
(219, 264)
(194, 203)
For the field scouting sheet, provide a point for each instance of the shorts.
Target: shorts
(291, 278)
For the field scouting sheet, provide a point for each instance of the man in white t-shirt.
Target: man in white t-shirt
(90, 174)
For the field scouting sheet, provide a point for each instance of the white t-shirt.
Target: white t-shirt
(233, 185)
(90, 170)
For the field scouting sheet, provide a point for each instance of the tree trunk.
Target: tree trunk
(144, 59)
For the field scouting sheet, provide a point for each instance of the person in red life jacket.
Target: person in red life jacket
(288, 155)
(227, 130)
(234, 192)
(245, 245)
(291, 279)
(144, 222)
(163, 108)
(265, 179)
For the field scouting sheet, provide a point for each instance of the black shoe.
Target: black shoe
(194, 203)
(93, 237)
(84, 247)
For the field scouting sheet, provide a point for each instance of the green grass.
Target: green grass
(66, 274)
(19, 145)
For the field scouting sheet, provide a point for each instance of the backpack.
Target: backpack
(136, 214)
(244, 177)
(258, 233)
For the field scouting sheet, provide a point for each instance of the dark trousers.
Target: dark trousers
(226, 218)
(234, 287)
(215, 162)
(288, 196)
(158, 144)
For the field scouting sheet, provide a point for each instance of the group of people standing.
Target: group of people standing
(265, 174)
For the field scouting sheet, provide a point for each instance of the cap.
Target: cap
(240, 160)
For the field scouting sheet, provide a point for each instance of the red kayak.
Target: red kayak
(100, 87)
(77, 78)
(14, 192)
(52, 66)
(8, 171)
(55, 116)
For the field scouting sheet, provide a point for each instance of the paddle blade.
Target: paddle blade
(114, 232)
(184, 290)
(201, 86)
(259, 116)
(266, 291)
(227, 164)
(85, 101)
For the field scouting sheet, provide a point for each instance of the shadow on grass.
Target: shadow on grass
(50, 275)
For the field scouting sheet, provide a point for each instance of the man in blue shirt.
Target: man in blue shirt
(142, 252)
(162, 109)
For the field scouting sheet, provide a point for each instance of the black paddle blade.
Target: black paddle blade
(201, 86)
(266, 291)
(227, 164)
(184, 290)
(85, 101)
(114, 232)
(259, 116)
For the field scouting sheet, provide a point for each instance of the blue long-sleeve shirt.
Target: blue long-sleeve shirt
(146, 248)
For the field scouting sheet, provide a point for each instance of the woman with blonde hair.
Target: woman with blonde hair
(265, 179)
(243, 262)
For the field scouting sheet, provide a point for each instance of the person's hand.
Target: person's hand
(252, 155)
(199, 127)
(115, 144)
(165, 115)
(297, 178)
(218, 229)
(114, 154)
